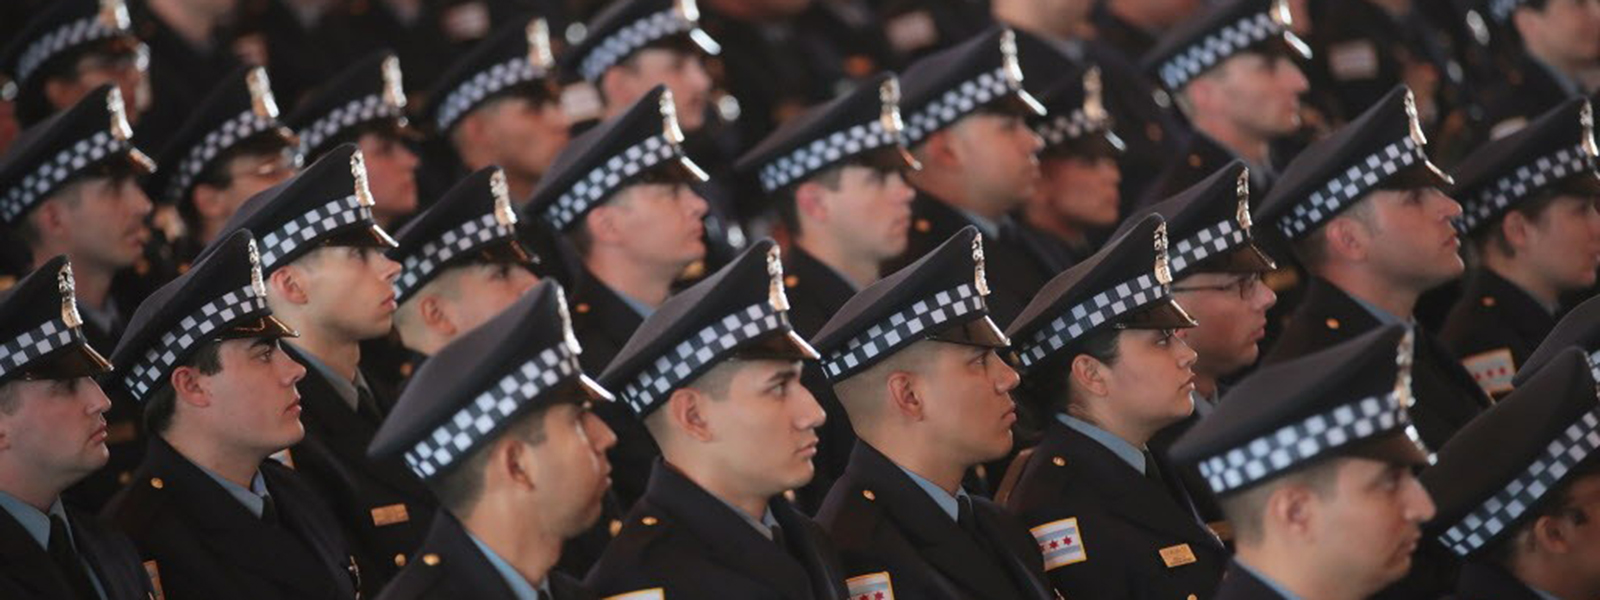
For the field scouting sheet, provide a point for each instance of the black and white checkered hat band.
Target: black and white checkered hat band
(1501, 10)
(1057, 129)
(903, 328)
(242, 126)
(1211, 241)
(604, 180)
(50, 175)
(956, 103)
(1087, 315)
(479, 419)
(1298, 443)
(81, 31)
(355, 112)
(1594, 365)
(630, 39)
(1527, 178)
(418, 268)
(812, 157)
(1359, 179)
(1217, 47)
(147, 374)
(307, 227)
(470, 93)
(674, 368)
(1500, 511)
(31, 345)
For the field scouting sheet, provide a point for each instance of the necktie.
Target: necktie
(367, 406)
(965, 519)
(777, 537)
(1152, 471)
(66, 559)
(269, 511)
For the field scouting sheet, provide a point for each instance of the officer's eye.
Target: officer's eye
(65, 387)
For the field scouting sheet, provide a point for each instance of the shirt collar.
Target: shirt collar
(1118, 446)
(36, 523)
(989, 227)
(763, 526)
(1267, 581)
(344, 387)
(643, 309)
(253, 498)
(1384, 317)
(520, 588)
(947, 503)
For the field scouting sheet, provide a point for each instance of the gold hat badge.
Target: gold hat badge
(539, 53)
(256, 282)
(979, 277)
(503, 213)
(1163, 270)
(1242, 213)
(69, 298)
(261, 99)
(358, 170)
(775, 294)
(394, 91)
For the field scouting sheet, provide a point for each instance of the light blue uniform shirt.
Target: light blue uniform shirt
(1118, 446)
(37, 524)
(253, 499)
(1272, 585)
(947, 503)
(519, 584)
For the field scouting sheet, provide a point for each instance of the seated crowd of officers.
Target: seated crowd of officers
(866, 299)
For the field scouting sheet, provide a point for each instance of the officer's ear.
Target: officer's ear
(903, 395)
(289, 283)
(1346, 238)
(808, 200)
(685, 409)
(1514, 226)
(431, 310)
(937, 149)
(187, 387)
(1089, 375)
(602, 221)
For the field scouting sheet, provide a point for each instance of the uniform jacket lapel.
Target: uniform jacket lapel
(728, 539)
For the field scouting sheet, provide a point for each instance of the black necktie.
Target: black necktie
(66, 559)
(367, 406)
(1152, 471)
(965, 519)
(269, 511)
(777, 537)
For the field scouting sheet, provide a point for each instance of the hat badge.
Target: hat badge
(69, 298)
(539, 53)
(567, 336)
(1008, 57)
(889, 95)
(669, 118)
(114, 14)
(119, 115)
(979, 278)
(775, 294)
(1586, 119)
(1404, 358)
(1163, 269)
(358, 170)
(394, 93)
(1094, 106)
(1280, 13)
(261, 100)
(688, 10)
(503, 214)
(256, 283)
(1242, 214)
(1411, 115)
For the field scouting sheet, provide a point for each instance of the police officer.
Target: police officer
(836, 177)
(322, 255)
(966, 123)
(51, 420)
(1517, 490)
(1313, 465)
(1134, 27)
(68, 50)
(1529, 207)
(1560, 40)
(621, 193)
(715, 376)
(525, 474)
(913, 360)
(230, 149)
(1232, 71)
(1099, 346)
(1360, 50)
(1079, 195)
(365, 105)
(1364, 213)
(211, 515)
(70, 188)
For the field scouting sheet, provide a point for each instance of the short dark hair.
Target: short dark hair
(31, 108)
(1047, 388)
(1532, 207)
(1243, 509)
(459, 488)
(216, 173)
(1558, 501)
(114, 171)
(787, 205)
(159, 407)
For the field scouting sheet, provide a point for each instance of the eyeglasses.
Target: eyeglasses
(1245, 286)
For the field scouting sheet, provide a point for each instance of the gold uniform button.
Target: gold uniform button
(791, 281)
(406, 368)
(1488, 301)
(124, 478)
(430, 559)
(1152, 130)
(1332, 323)
(583, 308)
(1192, 597)
(399, 560)
(868, 495)
(649, 521)
(157, 483)
(1194, 160)
(1058, 461)
(924, 226)
(615, 527)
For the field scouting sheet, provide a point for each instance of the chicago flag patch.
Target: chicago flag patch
(1060, 543)
(872, 586)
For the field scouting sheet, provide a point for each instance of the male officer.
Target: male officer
(1529, 207)
(68, 50)
(365, 105)
(322, 255)
(912, 358)
(230, 149)
(1362, 49)
(1078, 195)
(715, 376)
(526, 471)
(52, 434)
(460, 263)
(1232, 71)
(1518, 490)
(620, 193)
(212, 517)
(1099, 350)
(836, 174)
(1313, 466)
(966, 123)
(1364, 213)
(69, 187)
(1560, 41)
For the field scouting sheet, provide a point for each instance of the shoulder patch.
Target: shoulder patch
(1492, 370)
(1060, 542)
(650, 594)
(872, 586)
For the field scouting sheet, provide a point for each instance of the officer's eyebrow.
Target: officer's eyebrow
(787, 373)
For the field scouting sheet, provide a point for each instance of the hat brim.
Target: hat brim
(1583, 183)
(1247, 258)
(72, 362)
(1161, 314)
(1419, 175)
(1097, 144)
(784, 344)
(364, 235)
(1020, 102)
(981, 332)
(891, 157)
(264, 326)
(593, 390)
(1392, 447)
